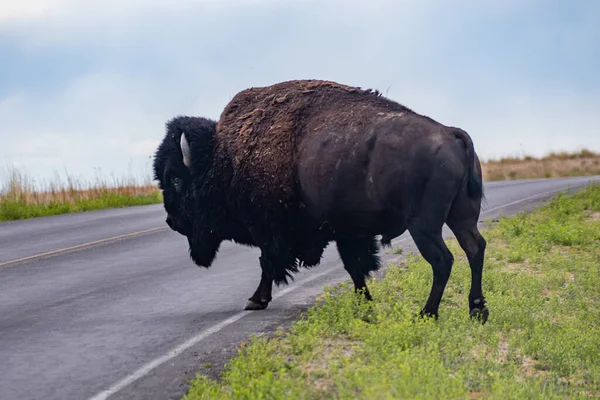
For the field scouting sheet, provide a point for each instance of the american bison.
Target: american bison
(293, 166)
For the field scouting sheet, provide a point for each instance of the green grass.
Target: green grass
(22, 197)
(11, 209)
(542, 341)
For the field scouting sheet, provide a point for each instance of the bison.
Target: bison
(293, 166)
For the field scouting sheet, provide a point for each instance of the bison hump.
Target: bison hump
(261, 127)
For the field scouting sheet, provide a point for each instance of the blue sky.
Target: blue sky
(88, 86)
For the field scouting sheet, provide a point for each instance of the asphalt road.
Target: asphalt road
(107, 304)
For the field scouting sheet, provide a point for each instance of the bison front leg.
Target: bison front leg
(262, 296)
(360, 258)
(277, 262)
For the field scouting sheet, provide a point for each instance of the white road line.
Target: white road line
(146, 368)
(522, 200)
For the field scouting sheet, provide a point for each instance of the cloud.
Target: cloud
(28, 10)
(81, 127)
(90, 85)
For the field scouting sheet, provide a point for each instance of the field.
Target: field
(553, 165)
(542, 341)
(20, 198)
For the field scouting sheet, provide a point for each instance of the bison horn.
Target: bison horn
(185, 150)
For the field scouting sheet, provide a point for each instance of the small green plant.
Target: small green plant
(15, 209)
(542, 341)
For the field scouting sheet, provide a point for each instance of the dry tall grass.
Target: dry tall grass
(554, 165)
(18, 186)
(22, 197)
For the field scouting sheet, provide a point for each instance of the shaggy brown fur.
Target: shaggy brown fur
(260, 127)
(293, 166)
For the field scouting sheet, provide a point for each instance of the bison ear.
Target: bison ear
(185, 150)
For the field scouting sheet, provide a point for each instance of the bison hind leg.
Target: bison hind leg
(462, 220)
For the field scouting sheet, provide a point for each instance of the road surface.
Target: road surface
(107, 304)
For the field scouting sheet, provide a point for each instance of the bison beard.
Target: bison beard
(293, 166)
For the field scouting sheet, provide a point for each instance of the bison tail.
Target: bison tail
(474, 181)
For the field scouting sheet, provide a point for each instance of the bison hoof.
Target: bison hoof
(479, 310)
(480, 314)
(251, 305)
(427, 315)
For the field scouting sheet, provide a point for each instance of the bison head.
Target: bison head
(181, 160)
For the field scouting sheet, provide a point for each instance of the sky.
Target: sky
(87, 86)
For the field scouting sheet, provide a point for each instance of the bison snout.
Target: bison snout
(176, 226)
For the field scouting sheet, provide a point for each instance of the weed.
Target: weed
(542, 341)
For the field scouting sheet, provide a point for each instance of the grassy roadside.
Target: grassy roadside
(15, 209)
(541, 278)
(20, 198)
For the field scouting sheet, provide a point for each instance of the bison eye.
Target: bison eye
(177, 183)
